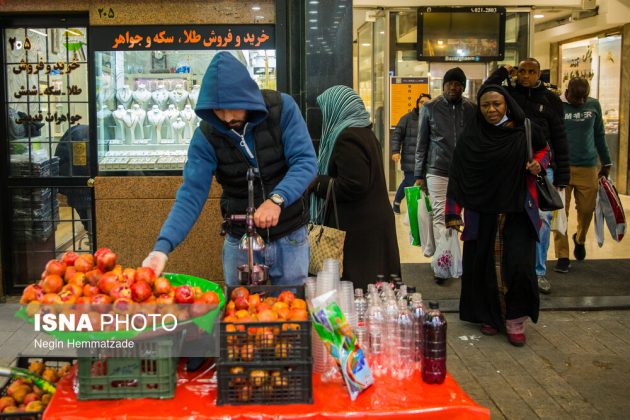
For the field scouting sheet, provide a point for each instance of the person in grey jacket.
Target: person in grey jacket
(441, 122)
(404, 142)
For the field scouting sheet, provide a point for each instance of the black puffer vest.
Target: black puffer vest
(232, 166)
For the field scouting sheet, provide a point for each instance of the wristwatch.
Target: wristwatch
(277, 199)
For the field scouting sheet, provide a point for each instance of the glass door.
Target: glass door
(45, 144)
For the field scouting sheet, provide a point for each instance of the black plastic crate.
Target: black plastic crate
(23, 362)
(276, 341)
(264, 383)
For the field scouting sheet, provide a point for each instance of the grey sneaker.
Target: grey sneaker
(543, 285)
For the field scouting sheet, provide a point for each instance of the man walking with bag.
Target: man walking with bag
(441, 121)
(587, 142)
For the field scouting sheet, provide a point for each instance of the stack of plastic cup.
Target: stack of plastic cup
(310, 287)
(346, 303)
(321, 362)
(332, 266)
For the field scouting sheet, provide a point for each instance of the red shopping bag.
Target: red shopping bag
(612, 209)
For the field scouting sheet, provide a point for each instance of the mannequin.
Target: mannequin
(171, 116)
(160, 97)
(142, 96)
(103, 117)
(194, 95)
(178, 128)
(131, 122)
(124, 96)
(189, 117)
(122, 118)
(178, 96)
(139, 115)
(156, 118)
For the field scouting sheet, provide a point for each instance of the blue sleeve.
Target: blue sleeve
(191, 196)
(298, 152)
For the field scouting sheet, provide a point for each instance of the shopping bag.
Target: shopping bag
(326, 242)
(447, 260)
(612, 209)
(559, 221)
(425, 225)
(411, 195)
(599, 223)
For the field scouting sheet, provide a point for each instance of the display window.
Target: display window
(146, 97)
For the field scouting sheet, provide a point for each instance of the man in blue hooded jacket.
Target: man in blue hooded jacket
(243, 127)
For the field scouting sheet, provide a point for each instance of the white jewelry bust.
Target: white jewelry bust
(156, 119)
(124, 96)
(139, 115)
(160, 97)
(171, 116)
(178, 128)
(179, 96)
(194, 95)
(122, 119)
(189, 117)
(142, 96)
(103, 117)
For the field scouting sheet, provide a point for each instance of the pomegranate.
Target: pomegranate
(106, 261)
(211, 298)
(101, 251)
(286, 297)
(78, 279)
(56, 267)
(107, 282)
(74, 289)
(184, 294)
(165, 299)
(140, 291)
(32, 292)
(145, 274)
(122, 306)
(241, 303)
(66, 297)
(254, 300)
(84, 263)
(52, 283)
(70, 272)
(93, 276)
(101, 302)
(199, 308)
(69, 258)
(129, 276)
(89, 290)
(119, 291)
(161, 285)
(239, 292)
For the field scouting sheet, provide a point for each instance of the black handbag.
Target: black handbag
(548, 197)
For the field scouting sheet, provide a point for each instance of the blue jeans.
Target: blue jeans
(407, 181)
(287, 258)
(544, 233)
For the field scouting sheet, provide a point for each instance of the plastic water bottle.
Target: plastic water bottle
(417, 312)
(375, 323)
(434, 355)
(404, 366)
(360, 305)
(392, 339)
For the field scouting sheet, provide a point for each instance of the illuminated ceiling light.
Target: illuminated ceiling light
(255, 8)
(440, 42)
(312, 20)
(366, 44)
(313, 12)
(313, 27)
(313, 2)
(382, 32)
(71, 32)
(341, 6)
(38, 32)
(539, 16)
(260, 17)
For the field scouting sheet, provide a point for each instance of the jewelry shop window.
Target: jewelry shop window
(148, 81)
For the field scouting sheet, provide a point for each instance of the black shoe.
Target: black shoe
(563, 265)
(396, 208)
(579, 251)
(439, 280)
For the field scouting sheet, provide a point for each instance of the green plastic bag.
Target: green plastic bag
(205, 322)
(412, 194)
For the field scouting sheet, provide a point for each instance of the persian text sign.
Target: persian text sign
(193, 37)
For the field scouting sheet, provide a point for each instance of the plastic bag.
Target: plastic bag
(612, 209)
(411, 195)
(425, 225)
(332, 327)
(447, 260)
(599, 223)
(559, 221)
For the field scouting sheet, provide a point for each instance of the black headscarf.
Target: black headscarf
(487, 173)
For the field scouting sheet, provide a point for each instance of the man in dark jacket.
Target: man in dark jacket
(544, 108)
(404, 141)
(243, 127)
(441, 121)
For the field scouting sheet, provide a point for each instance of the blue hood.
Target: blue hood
(228, 85)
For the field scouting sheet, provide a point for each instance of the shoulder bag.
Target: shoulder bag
(548, 197)
(326, 242)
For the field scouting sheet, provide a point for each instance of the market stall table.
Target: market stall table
(196, 394)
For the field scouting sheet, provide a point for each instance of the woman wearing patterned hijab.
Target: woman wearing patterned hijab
(351, 155)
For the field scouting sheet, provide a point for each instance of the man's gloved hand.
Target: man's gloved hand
(156, 260)
(604, 172)
(396, 157)
(267, 215)
(423, 185)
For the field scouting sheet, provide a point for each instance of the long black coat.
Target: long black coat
(371, 248)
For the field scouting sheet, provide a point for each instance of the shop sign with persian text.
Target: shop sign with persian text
(192, 37)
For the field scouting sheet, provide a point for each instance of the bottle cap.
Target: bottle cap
(380, 277)
(411, 289)
(434, 305)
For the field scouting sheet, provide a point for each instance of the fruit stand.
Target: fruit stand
(195, 397)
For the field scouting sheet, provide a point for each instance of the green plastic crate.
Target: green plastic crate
(149, 370)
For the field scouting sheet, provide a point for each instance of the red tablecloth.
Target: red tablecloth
(196, 394)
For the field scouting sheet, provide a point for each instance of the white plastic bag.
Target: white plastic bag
(599, 223)
(425, 225)
(559, 221)
(447, 260)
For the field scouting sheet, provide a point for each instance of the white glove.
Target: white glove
(156, 260)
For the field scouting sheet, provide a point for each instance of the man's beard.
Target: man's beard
(234, 124)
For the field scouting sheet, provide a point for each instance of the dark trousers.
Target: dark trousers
(407, 181)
